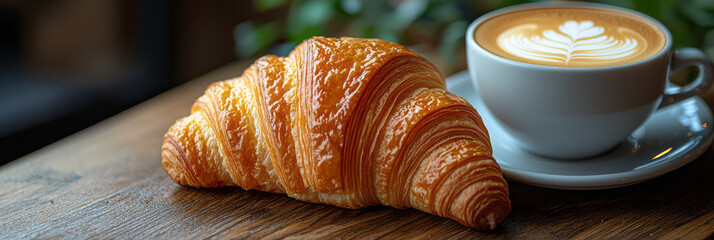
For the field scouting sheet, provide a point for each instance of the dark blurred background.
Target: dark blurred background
(67, 64)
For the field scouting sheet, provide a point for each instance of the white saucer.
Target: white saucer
(672, 137)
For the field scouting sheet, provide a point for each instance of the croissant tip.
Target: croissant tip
(491, 221)
(492, 216)
(171, 160)
(171, 168)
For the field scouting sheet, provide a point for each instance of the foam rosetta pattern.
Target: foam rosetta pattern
(571, 42)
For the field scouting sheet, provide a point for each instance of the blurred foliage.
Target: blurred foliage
(433, 28)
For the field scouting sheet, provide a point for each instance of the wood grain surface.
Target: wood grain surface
(107, 182)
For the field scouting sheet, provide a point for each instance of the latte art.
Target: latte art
(572, 42)
(570, 36)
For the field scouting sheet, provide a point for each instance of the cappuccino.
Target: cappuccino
(570, 36)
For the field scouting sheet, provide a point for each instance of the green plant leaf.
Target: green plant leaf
(452, 40)
(244, 36)
(653, 8)
(308, 19)
(680, 29)
(709, 44)
(264, 5)
(699, 14)
(406, 12)
(351, 7)
(251, 38)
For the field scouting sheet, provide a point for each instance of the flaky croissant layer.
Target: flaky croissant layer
(348, 122)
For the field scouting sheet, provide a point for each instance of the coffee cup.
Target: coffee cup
(574, 80)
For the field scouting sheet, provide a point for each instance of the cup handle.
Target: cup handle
(685, 57)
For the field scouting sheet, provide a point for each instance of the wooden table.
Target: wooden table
(107, 182)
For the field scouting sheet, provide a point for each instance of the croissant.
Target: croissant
(348, 122)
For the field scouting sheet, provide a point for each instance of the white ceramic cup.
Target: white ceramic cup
(579, 112)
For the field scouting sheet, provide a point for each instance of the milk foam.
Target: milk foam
(570, 36)
(571, 41)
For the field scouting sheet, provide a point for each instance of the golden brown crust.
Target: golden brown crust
(348, 122)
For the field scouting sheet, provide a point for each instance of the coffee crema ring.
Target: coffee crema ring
(570, 37)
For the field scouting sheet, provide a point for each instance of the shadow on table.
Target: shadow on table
(235, 213)
(678, 196)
